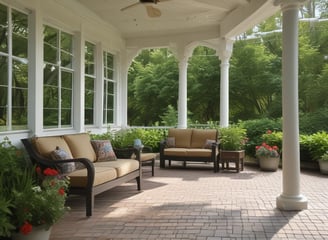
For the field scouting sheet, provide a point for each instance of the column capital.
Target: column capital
(224, 50)
(288, 4)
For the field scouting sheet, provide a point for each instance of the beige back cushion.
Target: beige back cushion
(80, 146)
(45, 145)
(182, 137)
(199, 137)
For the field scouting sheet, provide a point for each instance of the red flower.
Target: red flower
(61, 191)
(50, 172)
(26, 228)
(269, 132)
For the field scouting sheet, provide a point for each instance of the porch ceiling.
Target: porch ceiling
(194, 19)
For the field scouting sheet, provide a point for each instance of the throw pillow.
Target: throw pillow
(208, 143)
(170, 142)
(104, 150)
(61, 154)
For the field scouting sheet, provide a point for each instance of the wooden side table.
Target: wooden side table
(236, 157)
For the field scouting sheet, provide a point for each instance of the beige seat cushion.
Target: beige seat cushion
(80, 146)
(45, 145)
(198, 152)
(147, 157)
(122, 166)
(199, 137)
(78, 178)
(179, 152)
(182, 137)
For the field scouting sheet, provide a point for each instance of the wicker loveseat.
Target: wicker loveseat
(89, 175)
(195, 145)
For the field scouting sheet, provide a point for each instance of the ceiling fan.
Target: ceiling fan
(151, 11)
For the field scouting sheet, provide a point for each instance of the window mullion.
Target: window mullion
(10, 71)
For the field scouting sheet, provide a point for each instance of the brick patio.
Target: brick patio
(196, 203)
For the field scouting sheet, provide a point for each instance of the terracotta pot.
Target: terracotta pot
(269, 163)
(37, 233)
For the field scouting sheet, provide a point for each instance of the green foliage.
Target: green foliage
(312, 122)
(124, 138)
(170, 117)
(232, 138)
(317, 144)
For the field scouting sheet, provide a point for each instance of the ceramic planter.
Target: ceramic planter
(323, 166)
(269, 163)
(37, 233)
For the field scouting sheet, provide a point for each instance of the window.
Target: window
(90, 78)
(109, 88)
(57, 78)
(13, 69)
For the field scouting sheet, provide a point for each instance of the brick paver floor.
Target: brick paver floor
(196, 203)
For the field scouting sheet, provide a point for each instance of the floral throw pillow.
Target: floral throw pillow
(61, 154)
(170, 142)
(208, 143)
(104, 150)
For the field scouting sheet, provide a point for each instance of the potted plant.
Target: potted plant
(323, 163)
(268, 156)
(232, 142)
(34, 198)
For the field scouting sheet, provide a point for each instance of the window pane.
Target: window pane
(20, 75)
(49, 53)
(66, 98)
(50, 117)
(3, 71)
(3, 105)
(89, 96)
(110, 101)
(88, 115)
(3, 28)
(67, 79)
(110, 74)
(20, 34)
(110, 60)
(89, 83)
(89, 58)
(66, 42)
(66, 59)
(50, 74)
(110, 116)
(50, 97)
(110, 87)
(50, 36)
(19, 109)
(66, 117)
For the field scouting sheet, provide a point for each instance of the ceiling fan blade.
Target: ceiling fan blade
(130, 6)
(153, 12)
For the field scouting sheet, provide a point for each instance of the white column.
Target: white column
(224, 52)
(182, 52)
(122, 104)
(290, 198)
(182, 100)
(35, 72)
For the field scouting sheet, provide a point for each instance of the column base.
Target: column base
(295, 203)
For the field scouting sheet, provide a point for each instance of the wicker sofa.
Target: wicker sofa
(195, 145)
(90, 174)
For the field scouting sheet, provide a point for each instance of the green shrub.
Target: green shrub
(255, 129)
(232, 138)
(317, 144)
(273, 139)
(312, 122)
(125, 137)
